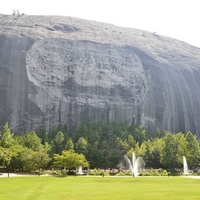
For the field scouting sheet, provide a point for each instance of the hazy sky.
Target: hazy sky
(174, 18)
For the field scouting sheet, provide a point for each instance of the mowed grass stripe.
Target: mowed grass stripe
(99, 188)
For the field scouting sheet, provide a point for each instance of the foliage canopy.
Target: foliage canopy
(102, 145)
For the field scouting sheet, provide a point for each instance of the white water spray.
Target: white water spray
(185, 166)
(135, 165)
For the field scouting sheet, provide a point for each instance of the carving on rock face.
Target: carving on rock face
(87, 71)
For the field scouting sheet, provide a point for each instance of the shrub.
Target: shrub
(154, 172)
(123, 173)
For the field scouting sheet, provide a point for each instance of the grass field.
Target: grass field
(99, 188)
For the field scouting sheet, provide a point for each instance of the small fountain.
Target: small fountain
(136, 164)
(185, 166)
(80, 171)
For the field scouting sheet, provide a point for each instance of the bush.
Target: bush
(145, 173)
(124, 173)
(164, 173)
(154, 172)
(53, 172)
(96, 172)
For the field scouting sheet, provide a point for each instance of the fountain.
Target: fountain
(136, 164)
(80, 171)
(185, 166)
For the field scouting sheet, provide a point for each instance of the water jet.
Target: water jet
(135, 166)
(185, 166)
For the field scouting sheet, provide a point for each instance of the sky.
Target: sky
(178, 19)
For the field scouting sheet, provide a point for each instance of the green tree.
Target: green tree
(170, 158)
(32, 141)
(7, 139)
(142, 150)
(82, 146)
(181, 150)
(122, 144)
(41, 159)
(130, 141)
(192, 152)
(23, 160)
(70, 160)
(69, 145)
(6, 155)
(154, 148)
(58, 142)
(139, 133)
(95, 155)
(130, 153)
(28, 160)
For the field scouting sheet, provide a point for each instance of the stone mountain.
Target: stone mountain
(61, 70)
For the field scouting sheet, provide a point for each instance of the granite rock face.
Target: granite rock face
(61, 70)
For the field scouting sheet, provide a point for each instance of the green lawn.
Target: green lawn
(99, 188)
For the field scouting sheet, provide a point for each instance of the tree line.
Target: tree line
(101, 145)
